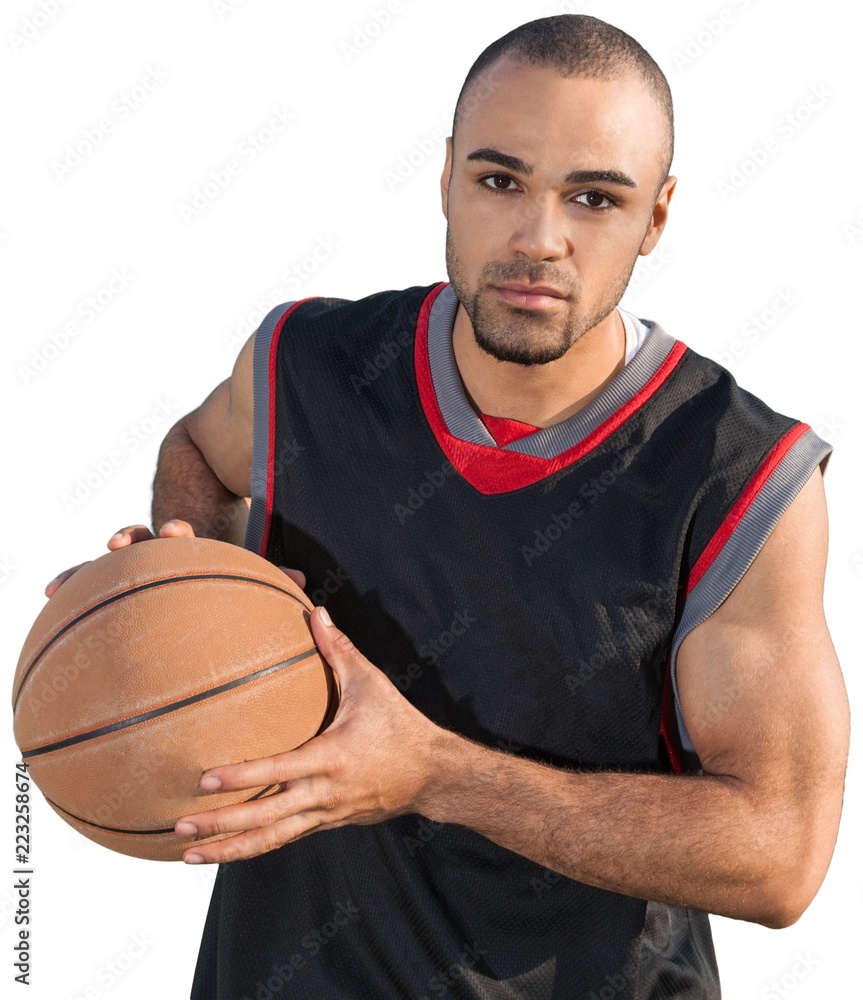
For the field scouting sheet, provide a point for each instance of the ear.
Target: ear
(659, 216)
(444, 178)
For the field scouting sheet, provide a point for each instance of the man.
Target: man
(587, 690)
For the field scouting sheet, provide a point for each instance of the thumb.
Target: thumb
(335, 647)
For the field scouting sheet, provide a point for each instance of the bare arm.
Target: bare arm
(751, 837)
(205, 463)
(766, 709)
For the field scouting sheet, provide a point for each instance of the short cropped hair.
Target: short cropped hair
(583, 46)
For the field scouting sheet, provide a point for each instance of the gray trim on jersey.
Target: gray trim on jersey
(463, 422)
(261, 426)
(738, 552)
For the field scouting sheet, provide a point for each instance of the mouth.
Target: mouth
(526, 296)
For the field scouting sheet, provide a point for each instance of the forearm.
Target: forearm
(696, 841)
(185, 487)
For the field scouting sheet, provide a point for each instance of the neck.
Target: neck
(541, 395)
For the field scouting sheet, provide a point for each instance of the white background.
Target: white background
(102, 399)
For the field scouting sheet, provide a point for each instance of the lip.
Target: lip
(530, 296)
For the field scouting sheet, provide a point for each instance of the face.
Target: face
(550, 196)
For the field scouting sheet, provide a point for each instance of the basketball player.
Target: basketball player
(588, 692)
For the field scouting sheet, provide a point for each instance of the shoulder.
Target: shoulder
(369, 308)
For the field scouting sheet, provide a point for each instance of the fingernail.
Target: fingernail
(117, 534)
(325, 617)
(193, 859)
(211, 782)
(185, 829)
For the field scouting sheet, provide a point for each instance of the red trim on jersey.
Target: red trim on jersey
(776, 454)
(271, 442)
(493, 470)
(504, 430)
(667, 728)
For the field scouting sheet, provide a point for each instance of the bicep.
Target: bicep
(759, 683)
(221, 427)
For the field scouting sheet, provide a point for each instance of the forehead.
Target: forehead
(557, 123)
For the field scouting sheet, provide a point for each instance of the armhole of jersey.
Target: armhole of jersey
(737, 541)
(263, 426)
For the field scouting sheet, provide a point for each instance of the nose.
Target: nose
(539, 230)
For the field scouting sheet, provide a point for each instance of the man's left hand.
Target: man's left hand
(373, 762)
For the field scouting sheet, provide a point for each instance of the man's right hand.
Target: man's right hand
(141, 533)
(122, 538)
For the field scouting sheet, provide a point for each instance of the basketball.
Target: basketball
(152, 664)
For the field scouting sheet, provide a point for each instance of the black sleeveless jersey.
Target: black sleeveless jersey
(531, 597)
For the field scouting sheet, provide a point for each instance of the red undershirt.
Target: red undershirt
(504, 430)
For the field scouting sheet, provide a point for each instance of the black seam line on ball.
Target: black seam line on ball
(136, 590)
(165, 709)
(117, 829)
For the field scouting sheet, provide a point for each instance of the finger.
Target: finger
(127, 536)
(309, 760)
(297, 575)
(253, 842)
(298, 797)
(176, 529)
(52, 587)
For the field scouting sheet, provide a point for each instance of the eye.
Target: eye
(499, 182)
(594, 200)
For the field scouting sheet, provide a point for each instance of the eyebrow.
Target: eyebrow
(518, 166)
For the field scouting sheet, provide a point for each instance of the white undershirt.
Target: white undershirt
(636, 331)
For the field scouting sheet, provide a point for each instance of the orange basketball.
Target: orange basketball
(152, 664)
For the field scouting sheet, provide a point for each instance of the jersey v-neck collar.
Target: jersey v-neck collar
(467, 442)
